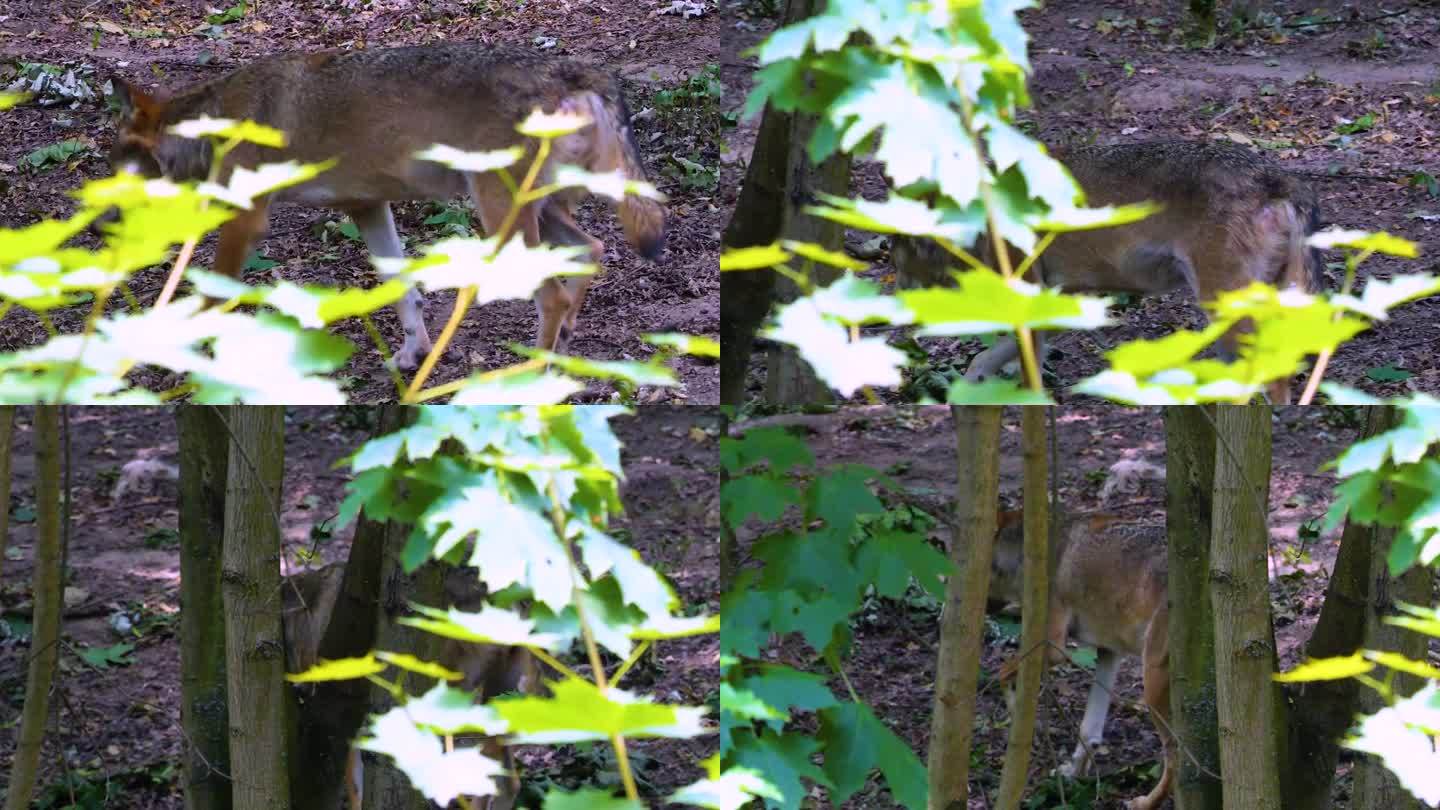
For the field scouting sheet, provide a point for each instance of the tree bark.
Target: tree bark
(729, 546)
(1321, 711)
(1034, 610)
(48, 595)
(332, 712)
(977, 432)
(745, 296)
(204, 462)
(1190, 483)
(779, 182)
(7, 434)
(1240, 596)
(1375, 786)
(255, 665)
(386, 788)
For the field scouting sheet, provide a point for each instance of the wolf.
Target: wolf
(1108, 582)
(373, 109)
(308, 600)
(1229, 217)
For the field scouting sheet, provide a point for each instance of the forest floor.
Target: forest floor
(665, 51)
(1353, 100)
(892, 665)
(116, 702)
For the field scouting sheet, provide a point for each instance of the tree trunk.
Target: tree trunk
(7, 434)
(729, 546)
(386, 788)
(204, 461)
(977, 431)
(47, 592)
(1203, 12)
(255, 665)
(1189, 484)
(333, 711)
(745, 296)
(1034, 611)
(1321, 711)
(1240, 596)
(1375, 786)
(780, 180)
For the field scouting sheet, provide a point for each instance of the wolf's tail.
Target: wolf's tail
(613, 147)
(1296, 212)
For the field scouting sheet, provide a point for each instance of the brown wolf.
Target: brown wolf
(307, 601)
(373, 110)
(1230, 217)
(1107, 583)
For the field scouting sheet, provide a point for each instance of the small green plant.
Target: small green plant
(229, 15)
(450, 219)
(692, 175)
(1364, 123)
(102, 658)
(56, 154)
(1424, 180)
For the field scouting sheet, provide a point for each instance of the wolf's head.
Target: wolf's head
(143, 145)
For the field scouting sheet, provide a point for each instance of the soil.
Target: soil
(120, 722)
(893, 662)
(168, 44)
(1121, 72)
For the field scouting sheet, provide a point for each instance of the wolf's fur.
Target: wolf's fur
(373, 109)
(1229, 217)
(307, 600)
(1108, 585)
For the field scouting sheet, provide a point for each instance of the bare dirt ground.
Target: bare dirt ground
(169, 44)
(1121, 72)
(893, 663)
(116, 724)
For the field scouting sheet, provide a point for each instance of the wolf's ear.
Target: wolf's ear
(132, 102)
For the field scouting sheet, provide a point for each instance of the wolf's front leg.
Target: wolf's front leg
(1092, 727)
(377, 227)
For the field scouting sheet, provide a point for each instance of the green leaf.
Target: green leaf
(104, 657)
(439, 775)
(226, 128)
(841, 363)
(986, 301)
(625, 370)
(491, 625)
(477, 162)
(685, 344)
(819, 254)
(766, 498)
(540, 124)
(530, 388)
(1381, 242)
(1381, 295)
(731, 790)
(588, 799)
(1400, 735)
(611, 185)
(578, 712)
(995, 392)
(342, 669)
(1327, 669)
(1388, 374)
(753, 258)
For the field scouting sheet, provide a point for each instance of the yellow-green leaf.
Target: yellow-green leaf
(1327, 669)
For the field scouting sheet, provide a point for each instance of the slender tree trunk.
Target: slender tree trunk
(1240, 596)
(1375, 786)
(1190, 484)
(1203, 12)
(47, 593)
(780, 181)
(328, 720)
(386, 788)
(977, 432)
(204, 462)
(7, 434)
(255, 665)
(1321, 711)
(1035, 611)
(745, 296)
(729, 547)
